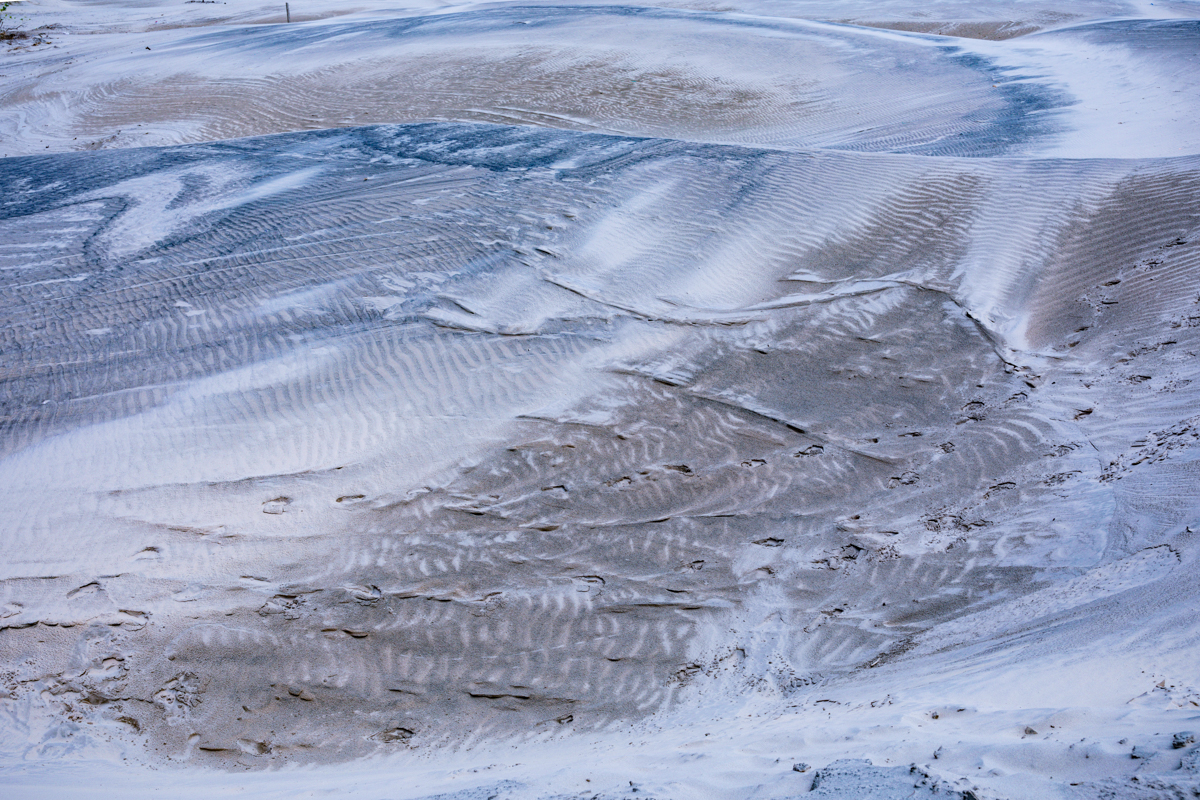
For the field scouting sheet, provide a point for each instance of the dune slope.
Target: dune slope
(776, 390)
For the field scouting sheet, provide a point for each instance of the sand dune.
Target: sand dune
(766, 389)
(681, 74)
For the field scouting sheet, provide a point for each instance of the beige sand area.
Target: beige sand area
(841, 418)
(125, 75)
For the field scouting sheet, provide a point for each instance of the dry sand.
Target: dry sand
(782, 406)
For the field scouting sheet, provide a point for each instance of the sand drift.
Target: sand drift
(745, 416)
(1110, 89)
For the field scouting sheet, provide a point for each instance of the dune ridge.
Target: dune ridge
(841, 414)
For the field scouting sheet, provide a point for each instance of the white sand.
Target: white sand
(794, 384)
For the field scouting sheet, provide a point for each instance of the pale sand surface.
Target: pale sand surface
(119, 75)
(774, 391)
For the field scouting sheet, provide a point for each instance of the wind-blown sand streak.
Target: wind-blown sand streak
(372, 478)
(647, 72)
(522, 457)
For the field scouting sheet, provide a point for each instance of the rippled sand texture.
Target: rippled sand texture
(666, 395)
(681, 74)
(339, 442)
(622, 70)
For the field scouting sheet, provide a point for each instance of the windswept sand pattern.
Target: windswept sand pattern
(437, 428)
(830, 85)
(777, 380)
